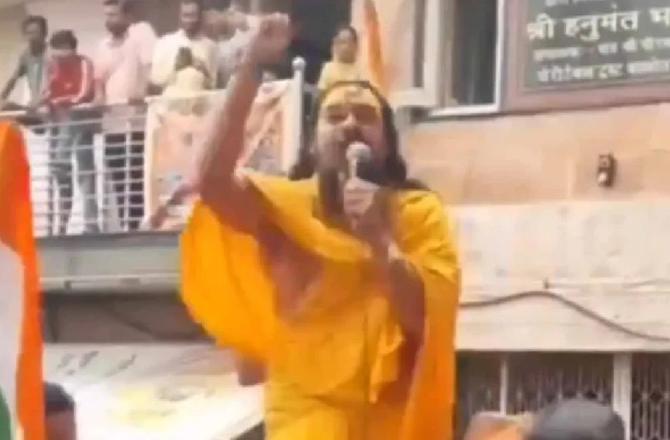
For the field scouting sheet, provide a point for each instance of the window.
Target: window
(536, 380)
(315, 23)
(478, 387)
(472, 52)
(520, 382)
(471, 47)
(651, 397)
(415, 27)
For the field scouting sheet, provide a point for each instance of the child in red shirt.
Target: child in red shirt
(70, 85)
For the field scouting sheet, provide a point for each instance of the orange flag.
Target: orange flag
(375, 54)
(21, 388)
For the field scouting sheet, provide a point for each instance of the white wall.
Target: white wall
(11, 44)
(84, 17)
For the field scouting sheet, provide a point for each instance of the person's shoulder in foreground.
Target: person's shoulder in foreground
(577, 420)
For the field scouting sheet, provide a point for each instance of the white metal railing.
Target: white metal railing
(92, 167)
(83, 179)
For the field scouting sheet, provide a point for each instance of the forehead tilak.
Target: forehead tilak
(351, 95)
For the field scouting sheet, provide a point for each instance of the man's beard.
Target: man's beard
(330, 193)
(117, 31)
(192, 30)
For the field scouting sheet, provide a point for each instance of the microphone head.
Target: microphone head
(362, 164)
(359, 152)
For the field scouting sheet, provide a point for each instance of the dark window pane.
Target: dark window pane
(478, 387)
(537, 380)
(651, 397)
(473, 51)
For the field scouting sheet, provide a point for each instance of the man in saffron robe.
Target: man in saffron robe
(339, 293)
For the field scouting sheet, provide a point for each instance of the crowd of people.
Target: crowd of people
(129, 64)
(131, 61)
(66, 90)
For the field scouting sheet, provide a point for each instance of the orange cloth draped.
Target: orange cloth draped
(374, 47)
(337, 369)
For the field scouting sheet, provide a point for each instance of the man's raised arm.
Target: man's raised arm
(229, 196)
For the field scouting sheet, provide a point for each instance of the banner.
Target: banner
(21, 389)
(175, 129)
(388, 36)
(374, 47)
(155, 392)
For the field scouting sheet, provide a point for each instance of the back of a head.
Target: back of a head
(577, 420)
(63, 39)
(60, 418)
(57, 400)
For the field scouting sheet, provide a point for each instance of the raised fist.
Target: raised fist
(271, 40)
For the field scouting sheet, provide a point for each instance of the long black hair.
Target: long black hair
(395, 167)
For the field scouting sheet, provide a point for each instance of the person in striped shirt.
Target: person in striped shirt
(70, 84)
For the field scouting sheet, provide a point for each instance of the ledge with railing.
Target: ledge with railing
(106, 170)
(98, 175)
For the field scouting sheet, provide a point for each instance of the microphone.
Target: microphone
(359, 160)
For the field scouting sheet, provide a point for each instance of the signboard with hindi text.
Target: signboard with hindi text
(595, 43)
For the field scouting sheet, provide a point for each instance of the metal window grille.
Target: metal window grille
(532, 381)
(651, 397)
(478, 387)
(536, 380)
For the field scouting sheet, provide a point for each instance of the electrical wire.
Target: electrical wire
(570, 304)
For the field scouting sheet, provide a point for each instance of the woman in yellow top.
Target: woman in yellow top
(344, 65)
(340, 293)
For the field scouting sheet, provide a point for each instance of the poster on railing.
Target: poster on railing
(175, 129)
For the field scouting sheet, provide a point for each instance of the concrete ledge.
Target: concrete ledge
(107, 263)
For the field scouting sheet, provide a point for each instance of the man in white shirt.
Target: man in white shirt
(190, 36)
(122, 67)
(233, 30)
(123, 57)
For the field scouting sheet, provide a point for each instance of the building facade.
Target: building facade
(518, 105)
(542, 123)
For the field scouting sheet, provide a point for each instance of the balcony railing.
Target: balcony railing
(83, 180)
(107, 170)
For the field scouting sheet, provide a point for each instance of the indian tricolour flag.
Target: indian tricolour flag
(21, 389)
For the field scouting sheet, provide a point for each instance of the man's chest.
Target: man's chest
(306, 284)
(119, 59)
(68, 76)
(34, 66)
